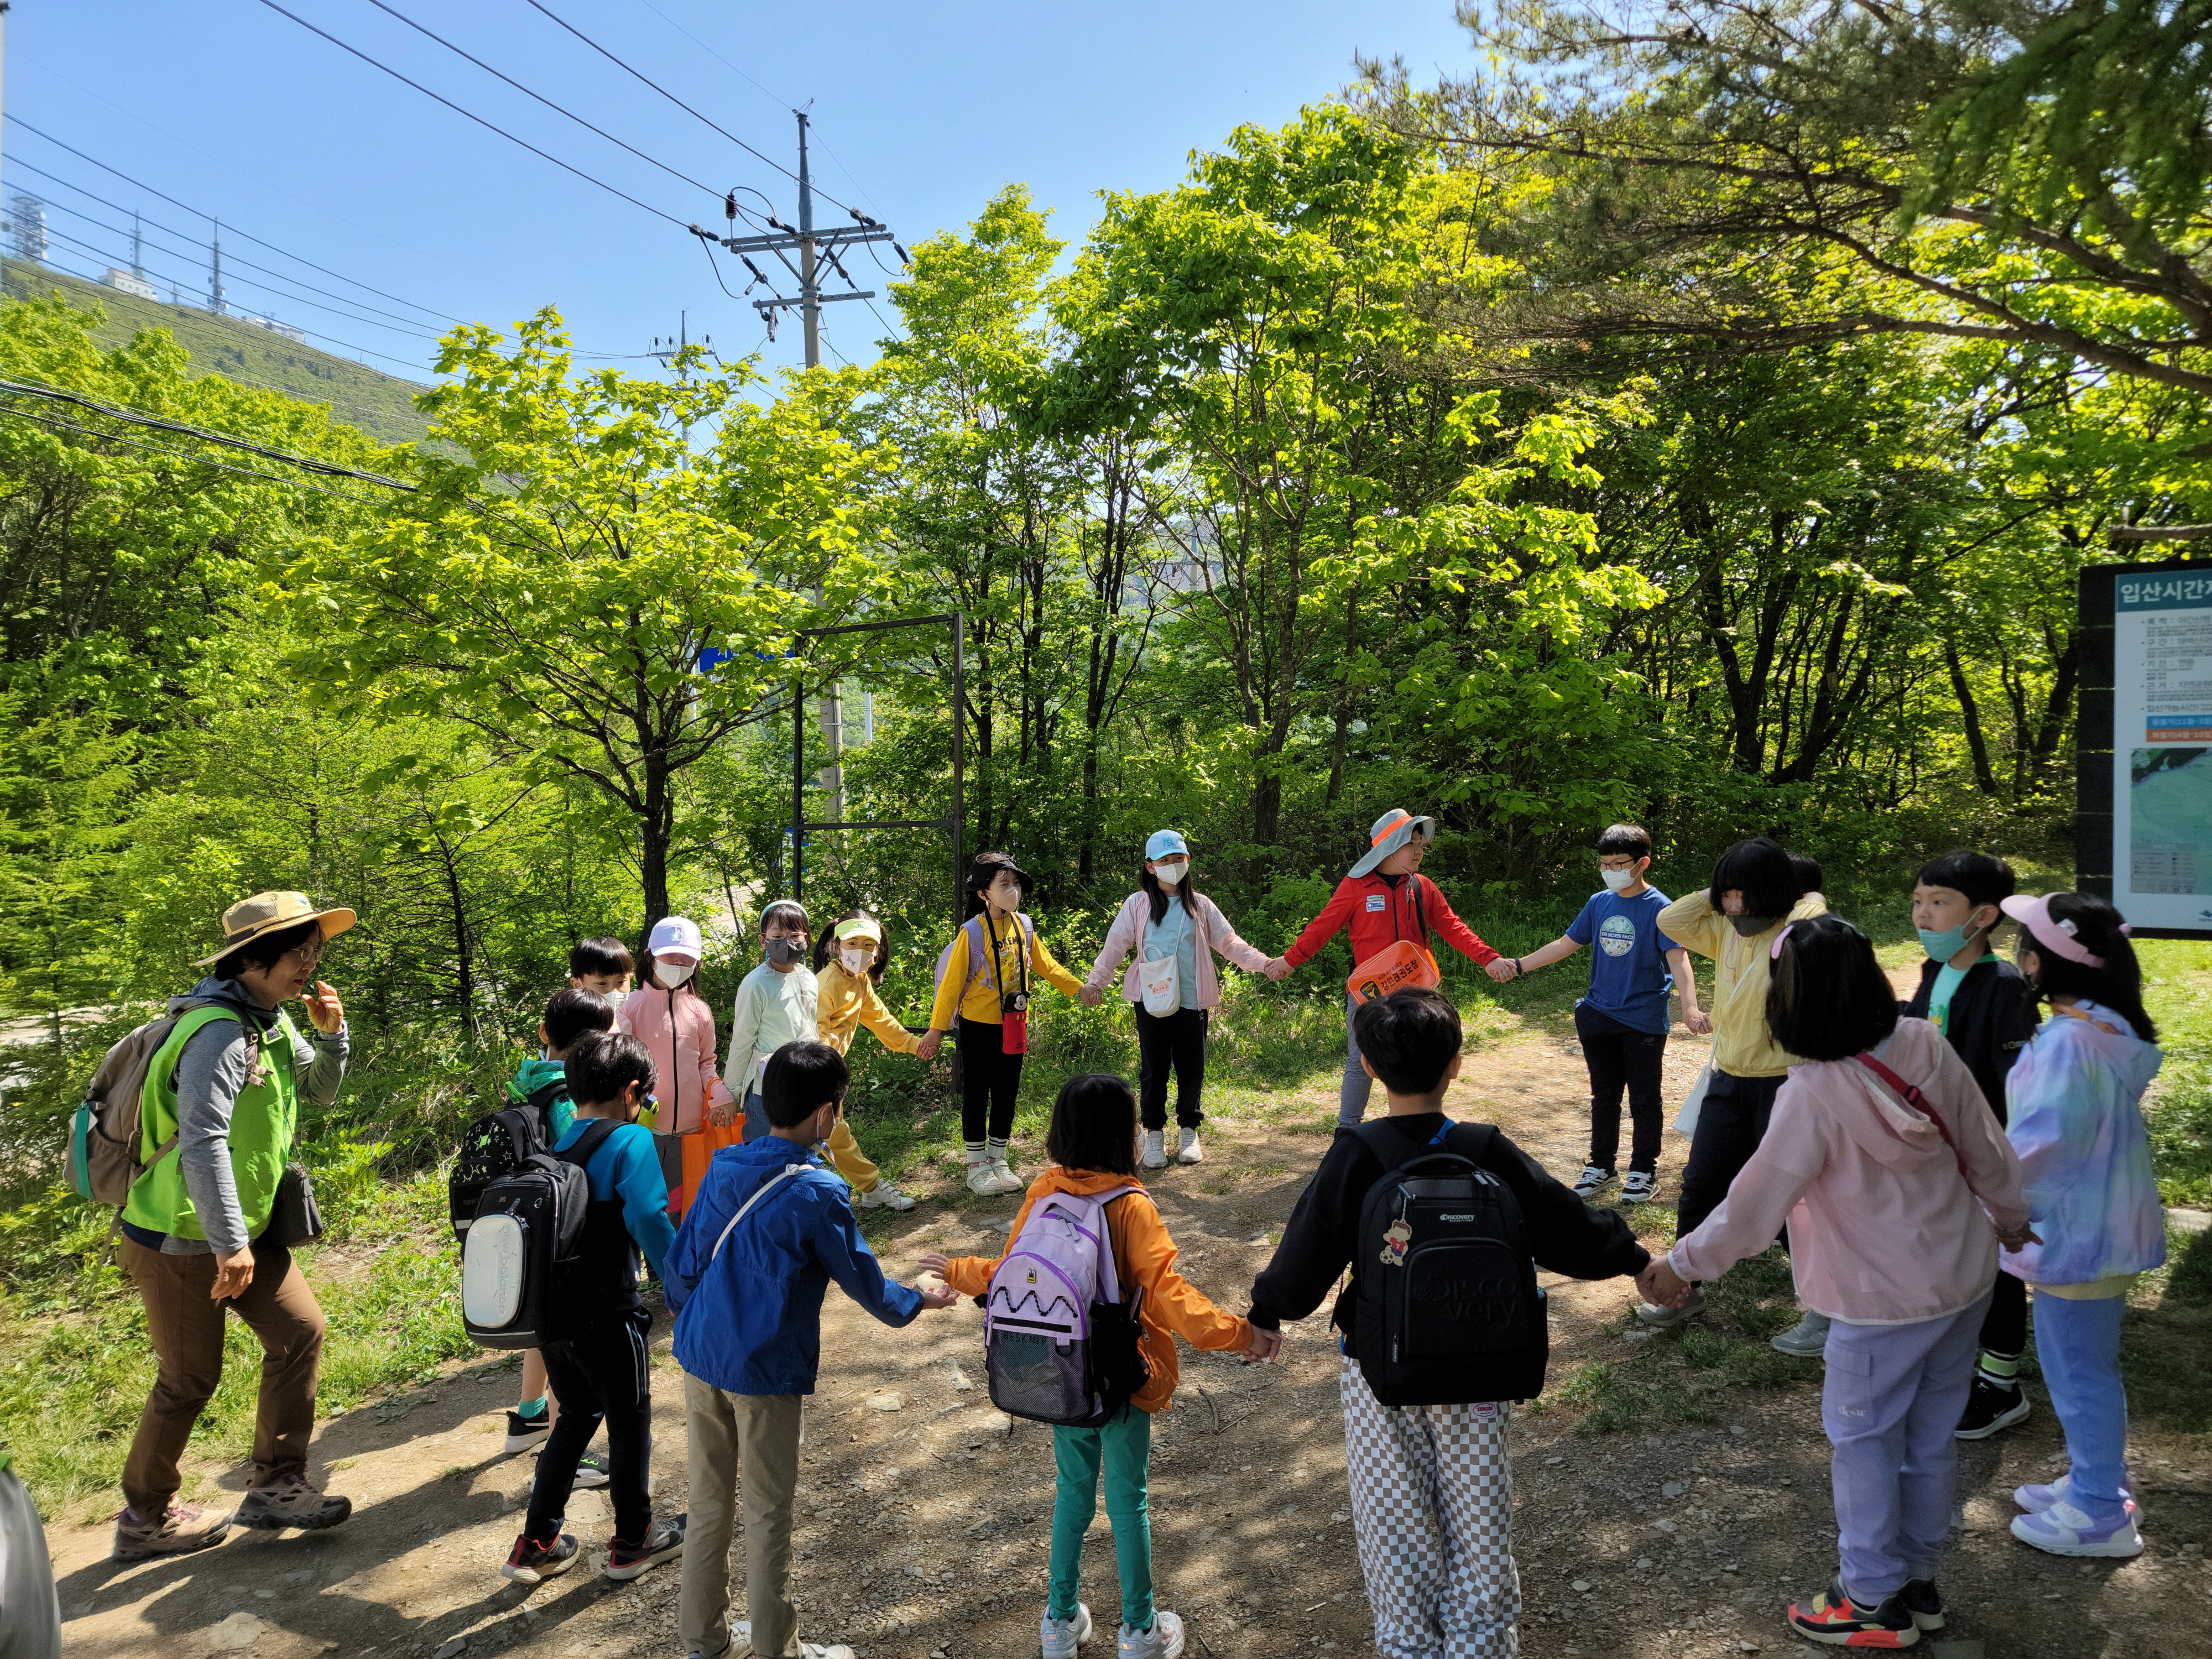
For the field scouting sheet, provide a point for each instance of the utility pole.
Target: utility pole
(216, 270)
(814, 249)
(137, 249)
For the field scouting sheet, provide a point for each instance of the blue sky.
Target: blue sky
(920, 114)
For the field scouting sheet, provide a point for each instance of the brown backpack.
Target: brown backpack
(105, 1137)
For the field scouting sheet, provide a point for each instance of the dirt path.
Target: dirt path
(924, 1515)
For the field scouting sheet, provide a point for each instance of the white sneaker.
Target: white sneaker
(1156, 1152)
(1594, 1179)
(984, 1177)
(1808, 1339)
(1638, 1187)
(741, 1643)
(1162, 1641)
(1058, 1639)
(1190, 1151)
(1003, 1173)
(2062, 1529)
(1659, 1316)
(884, 1196)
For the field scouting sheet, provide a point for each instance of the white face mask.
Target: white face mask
(857, 960)
(1616, 880)
(1172, 871)
(670, 974)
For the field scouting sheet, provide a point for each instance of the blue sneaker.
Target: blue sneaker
(2062, 1529)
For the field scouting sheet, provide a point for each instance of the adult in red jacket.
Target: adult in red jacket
(1385, 899)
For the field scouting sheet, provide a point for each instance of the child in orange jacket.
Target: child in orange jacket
(1092, 1144)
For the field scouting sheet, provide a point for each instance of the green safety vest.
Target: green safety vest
(262, 1125)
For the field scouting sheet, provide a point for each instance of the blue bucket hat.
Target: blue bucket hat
(1166, 841)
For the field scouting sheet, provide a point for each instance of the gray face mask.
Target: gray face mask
(784, 952)
(1749, 925)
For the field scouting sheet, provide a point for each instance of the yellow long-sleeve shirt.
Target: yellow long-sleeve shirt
(848, 1001)
(1743, 1046)
(978, 1001)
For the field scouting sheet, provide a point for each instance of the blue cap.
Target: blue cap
(1165, 842)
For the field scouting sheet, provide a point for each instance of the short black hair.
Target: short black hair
(788, 912)
(603, 1064)
(1410, 1038)
(1826, 996)
(268, 951)
(574, 1013)
(1982, 880)
(2117, 984)
(1094, 1125)
(1809, 872)
(601, 956)
(1759, 870)
(800, 1080)
(1632, 839)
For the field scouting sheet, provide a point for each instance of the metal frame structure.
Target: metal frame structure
(957, 621)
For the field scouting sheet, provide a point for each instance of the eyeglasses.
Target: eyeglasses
(304, 956)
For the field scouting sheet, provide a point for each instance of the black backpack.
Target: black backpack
(1447, 1308)
(496, 1144)
(526, 1227)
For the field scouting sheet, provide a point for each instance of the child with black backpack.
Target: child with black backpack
(599, 1369)
(1092, 1143)
(1419, 1207)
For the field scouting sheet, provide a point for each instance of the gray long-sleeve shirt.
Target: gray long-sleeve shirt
(210, 1072)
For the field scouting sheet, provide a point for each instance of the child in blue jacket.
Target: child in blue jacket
(768, 1231)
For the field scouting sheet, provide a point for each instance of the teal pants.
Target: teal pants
(1124, 1446)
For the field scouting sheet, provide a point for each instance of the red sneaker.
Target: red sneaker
(1833, 1618)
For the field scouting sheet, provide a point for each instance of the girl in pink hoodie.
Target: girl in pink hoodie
(1897, 1186)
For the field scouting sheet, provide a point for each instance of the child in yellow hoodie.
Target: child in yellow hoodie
(1092, 1144)
(850, 959)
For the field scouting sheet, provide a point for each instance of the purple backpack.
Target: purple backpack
(1060, 1346)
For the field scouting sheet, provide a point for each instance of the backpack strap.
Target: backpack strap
(1393, 1149)
(1916, 1104)
(596, 1131)
(254, 1036)
(1420, 913)
(759, 1193)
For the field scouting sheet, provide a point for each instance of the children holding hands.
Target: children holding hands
(849, 959)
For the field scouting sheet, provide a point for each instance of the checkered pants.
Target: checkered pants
(1432, 1502)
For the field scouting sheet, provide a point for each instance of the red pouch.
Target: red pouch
(1014, 1034)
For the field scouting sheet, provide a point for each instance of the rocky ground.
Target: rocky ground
(924, 1516)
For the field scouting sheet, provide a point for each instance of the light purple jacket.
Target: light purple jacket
(1214, 933)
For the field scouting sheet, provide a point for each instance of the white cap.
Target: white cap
(677, 933)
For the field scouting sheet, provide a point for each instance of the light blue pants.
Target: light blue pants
(1352, 1099)
(2077, 1343)
(1890, 1402)
(1123, 1448)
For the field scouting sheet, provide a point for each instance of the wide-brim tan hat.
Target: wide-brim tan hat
(272, 913)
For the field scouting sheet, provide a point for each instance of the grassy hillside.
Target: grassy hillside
(380, 404)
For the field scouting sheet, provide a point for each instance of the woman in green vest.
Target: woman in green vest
(225, 1088)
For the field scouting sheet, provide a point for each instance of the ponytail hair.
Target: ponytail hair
(2117, 984)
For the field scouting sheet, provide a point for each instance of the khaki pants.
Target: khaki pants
(752, 1439)
(186, 1330)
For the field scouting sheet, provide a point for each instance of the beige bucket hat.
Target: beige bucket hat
(270, 913)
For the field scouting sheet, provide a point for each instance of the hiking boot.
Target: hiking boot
(1594, 1179)
(662, 1539)
(185, 1527)
(289, 1501)
(1190, 1152)
(528, 1429)
(884, 1196)
(1990, 1406)
(1923, 1602)
(1156, 1151)
(1806, 1340)
(1660, 1317)
(534, 1564)
(2062, 1529)
(2036, 1499)
(1162, 1641)
(1639, 1186)
(1058, 1639)
(741, 1641)
(1833, 1618)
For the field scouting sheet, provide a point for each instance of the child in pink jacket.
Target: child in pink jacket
(1897, 1186)
(668, 1014)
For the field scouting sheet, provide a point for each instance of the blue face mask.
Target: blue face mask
(1942, 947)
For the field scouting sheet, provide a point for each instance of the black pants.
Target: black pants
(598, 1376)
(1730, 1125)
(1621, 1059)
(990, 1080)
(2004, 1327)
(1167, 1042)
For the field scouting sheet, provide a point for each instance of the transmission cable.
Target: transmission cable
(197, 214)
(673, 99)
(489, 127)
(184, 456)
(548, 102)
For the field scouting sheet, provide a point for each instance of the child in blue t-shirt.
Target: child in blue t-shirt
(1622, 1021)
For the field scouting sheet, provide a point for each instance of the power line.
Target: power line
(564, 165)
(181, 455)
(198, 214)
(780, 102)
(671, 97)
(548, 102)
